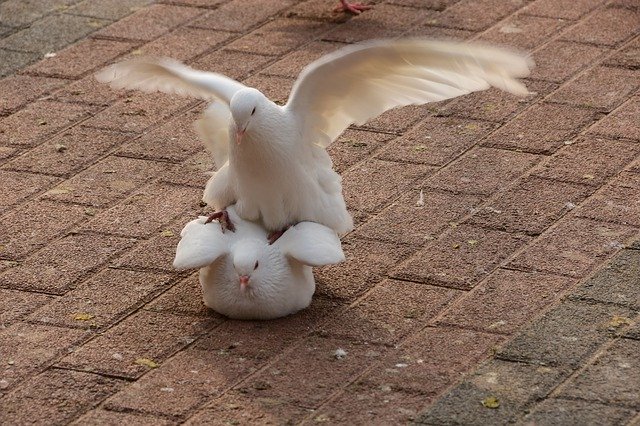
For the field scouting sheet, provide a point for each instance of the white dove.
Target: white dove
(278, 170)
(244, 277)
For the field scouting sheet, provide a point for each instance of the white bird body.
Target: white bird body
(244, 277)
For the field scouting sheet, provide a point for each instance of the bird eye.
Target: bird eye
(253, 110)
(256, 265)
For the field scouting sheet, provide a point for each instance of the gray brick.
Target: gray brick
(12, 61)
(23, 12)
(562, 412)
(108, 9)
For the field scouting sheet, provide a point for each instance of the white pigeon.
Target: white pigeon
(278, 170)
(244, 277)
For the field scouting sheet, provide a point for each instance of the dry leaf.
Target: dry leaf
(491, 402)
(83, 316)
(147, 362)
(167, 233)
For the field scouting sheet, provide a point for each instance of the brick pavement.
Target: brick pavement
(515, 285)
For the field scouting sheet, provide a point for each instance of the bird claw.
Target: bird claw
(223, 218)
(355, 8)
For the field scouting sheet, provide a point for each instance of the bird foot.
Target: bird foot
(223, 217)
(355, 8)
(273, 237)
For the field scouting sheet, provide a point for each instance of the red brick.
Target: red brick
(476, 15)
(17, 90)
(145, 211)
(57, 267)
(606, 27)
(482, 171)
(559, 60)
(427, 29)
(405, 222)
(113, 418)
(292, 64)
(22, 185)
(621, 123)
(39, 120)
(237, 65)
(370, 185)
(399, 120)
(618, 202)
(573, 247)
(151, 22)
(389, 312)
(106, 297)
(27, 348)
(145, 335)
(461, 258)
(589, 161)
(274, 87)
(80, 58)
(33, 224)
(88, 91)
(290, 379)
(139, 111)
(16, 304)
(278, 37)
(506, 301)
(51, 158)
(523, 31)
(438, 5)
(564, 9)
(184, 43)
(367, 262)
(56, 397)
(106, 182)
(321, 10)
(354, 146)
(181, 298)
(602, 87)
(531, 207)
(195, 171)
(627, 57)
(6, 152)
(436, 140)
(240, 15)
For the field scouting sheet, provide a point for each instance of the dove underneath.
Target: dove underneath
(244, 277)
(272, 161)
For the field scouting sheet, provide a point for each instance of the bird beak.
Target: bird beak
(239, 135)
(244, 282)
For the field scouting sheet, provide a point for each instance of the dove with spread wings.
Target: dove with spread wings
(271, 159)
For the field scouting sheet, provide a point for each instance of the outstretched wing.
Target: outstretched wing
(213, 129)
(311, 244)
(169, 76)
(200, 244)
(360, 82)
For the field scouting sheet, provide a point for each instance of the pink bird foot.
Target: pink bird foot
(223, 217)
(273, 237)
(355, 8)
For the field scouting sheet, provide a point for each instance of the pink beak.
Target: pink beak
(244, 282)
(239, 135)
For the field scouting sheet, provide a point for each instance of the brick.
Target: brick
(205, 4)
(275, 88)
(57, 267)
(88, 91)
(618, 202)
(559, 60)
(145, 211)
(523, 31)
(195, 171)
(607, 27)
(237, 65)
(13, 61)
(39, 120)
(80, 58)
(389, 312)
(354, 146)
(143, 335)
(292, 64)
(563, 9)
(564, 336)
(33, 224)
(56, 397)
(513, 384)
(6, 152)
(17, 90)
(16, 304)
(106, 182)
(476, 15)
(109, 9)
(370, 185)
(321, 10)
(405, 222)
(112, 418)
(482, 171)
(602, 87)
(589, 161)
(436, 140)
(494, 104)
(17, 13)
(278, 37)
(52, 33)
(184, 43)
(542, 129)
(30, 347)
(627, 57)
(23, 185)
(621, 123)
(181, 298)
(49, 158)
(506, 301)
(138, 112)
(427, 29)
(461, 258)
(107, 297)
(531, 206)
(150, 22)
(616, 282)
(367, 262)
(438, 5)
(399, 120)
(295, 383)
(240, 15)
(557, 411)
(573, 247)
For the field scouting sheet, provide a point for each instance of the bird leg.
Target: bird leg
(223, 217)
(355, 8)
(273, 237)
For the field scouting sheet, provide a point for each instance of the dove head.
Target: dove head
(247, 258)
(246, 106)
